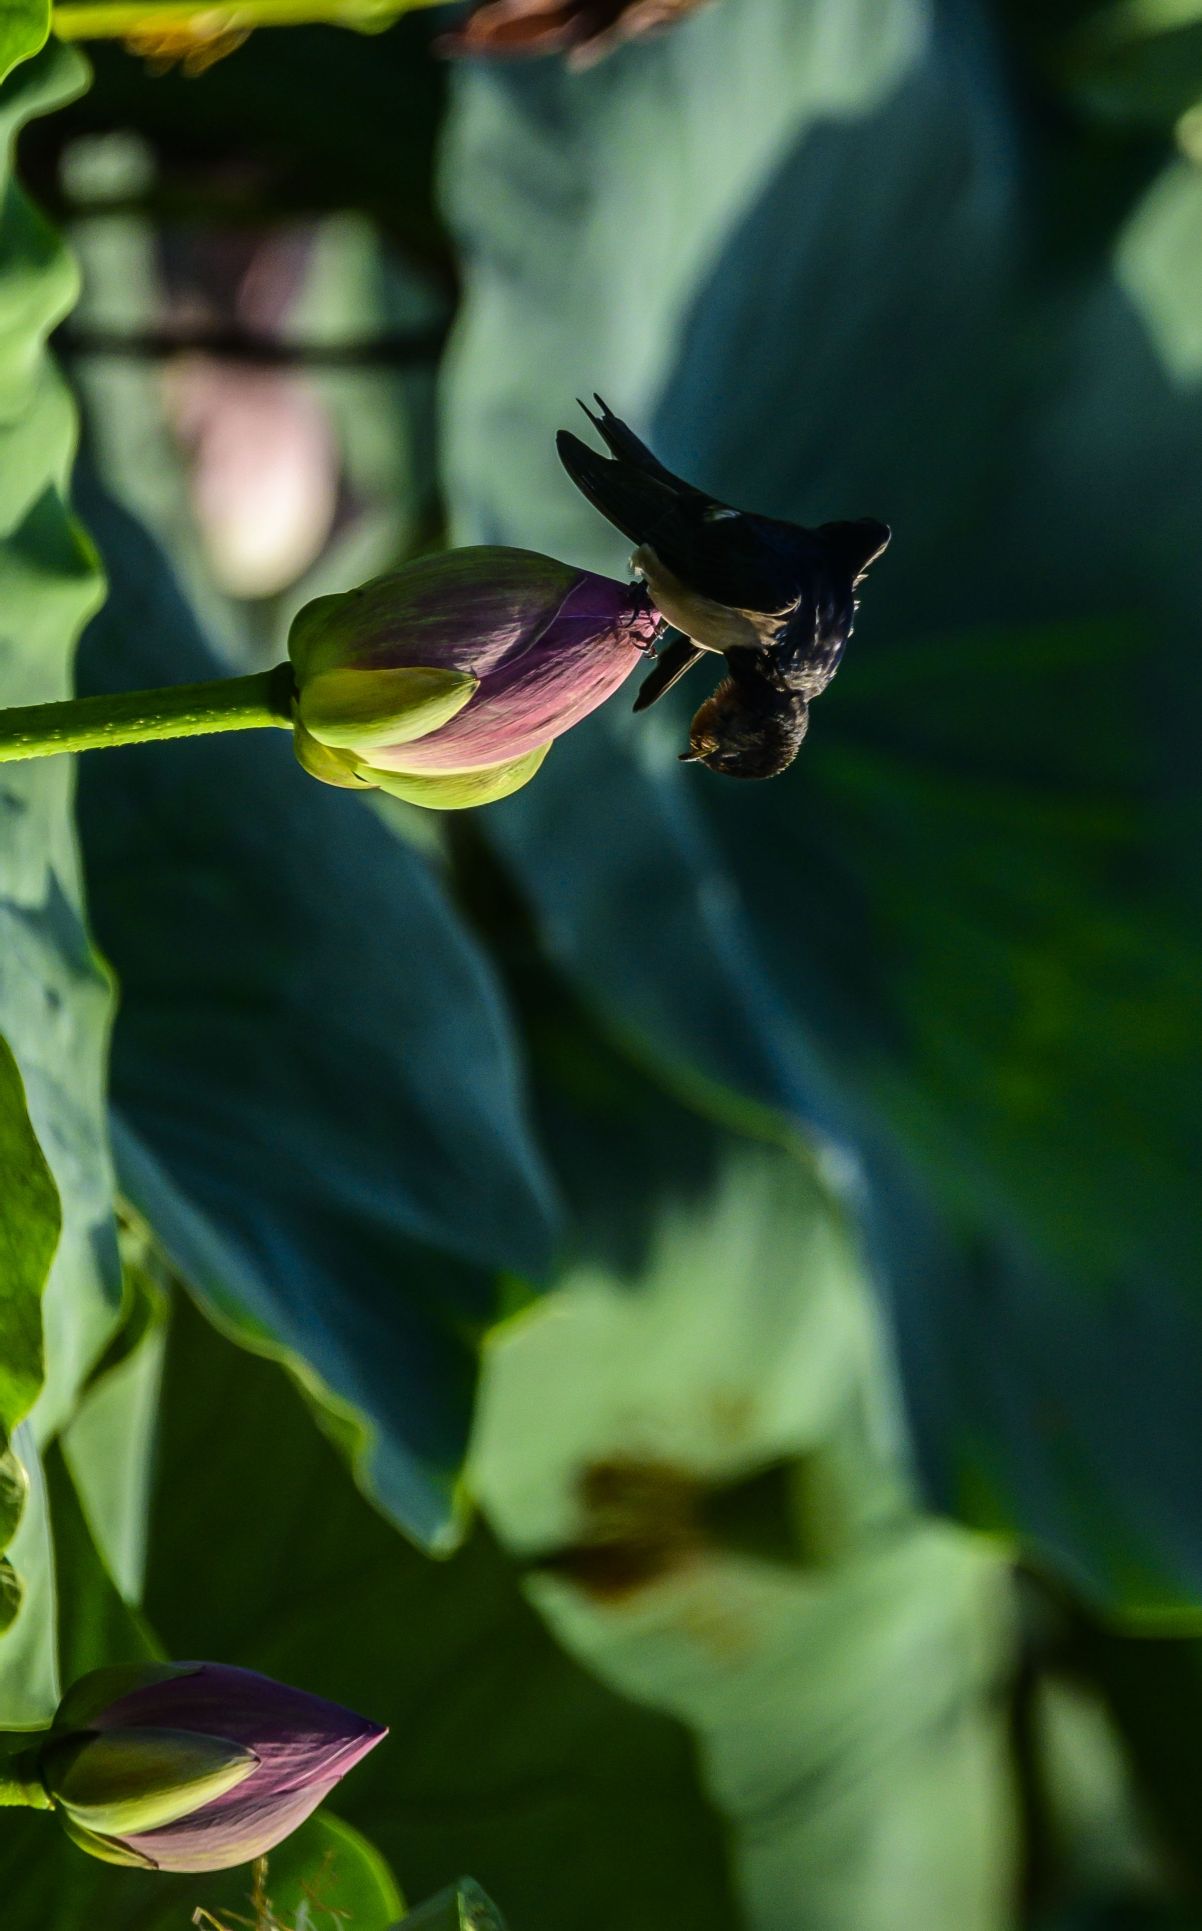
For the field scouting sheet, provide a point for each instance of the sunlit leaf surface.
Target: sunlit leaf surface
(24, 25)
(715, 1321)
(53, 999)
(967, 896)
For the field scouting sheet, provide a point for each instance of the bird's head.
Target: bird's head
(747, 730)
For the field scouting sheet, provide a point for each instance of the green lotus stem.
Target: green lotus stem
(139, 717)
(21, 1785)
(123, 19)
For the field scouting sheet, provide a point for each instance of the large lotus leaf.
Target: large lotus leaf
(319, 1107)
(53, 1000)
(966, 899)
(575, 1810)
(714, 1325)
(1004, 963)
(718, 1266)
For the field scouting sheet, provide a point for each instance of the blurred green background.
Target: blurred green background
(683, 1299)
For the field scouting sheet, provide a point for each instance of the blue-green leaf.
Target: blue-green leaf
(57, 1250)
(956, 933)
(53, 999)
(716, 1323)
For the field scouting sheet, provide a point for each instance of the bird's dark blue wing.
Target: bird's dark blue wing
(634, 500)
(622, 442)
(744, 562)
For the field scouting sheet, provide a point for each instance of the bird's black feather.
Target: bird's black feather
(622, 442)
(745, 562)
(677, 654)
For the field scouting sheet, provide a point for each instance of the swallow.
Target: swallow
(776, 600)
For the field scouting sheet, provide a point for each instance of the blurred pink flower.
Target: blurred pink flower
(584, 30)
(260, 450)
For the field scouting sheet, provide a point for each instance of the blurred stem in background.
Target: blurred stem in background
(127, 20)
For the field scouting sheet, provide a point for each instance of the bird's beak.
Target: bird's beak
(690, 757)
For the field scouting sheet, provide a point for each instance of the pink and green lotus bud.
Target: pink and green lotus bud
(192, 1766)
(446, 682)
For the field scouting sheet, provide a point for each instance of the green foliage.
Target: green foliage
(714, 1320)
(325, 1868)
(29, 1227)
(957, 933)
(464, 1907)
(325, 1876)
(1137, 60)
(53, 1000)
(770, 1085)
(109, 1440)
(504, 1758)
(24, 28)
(47, 1882)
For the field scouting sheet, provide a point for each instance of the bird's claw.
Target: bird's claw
(643, 607)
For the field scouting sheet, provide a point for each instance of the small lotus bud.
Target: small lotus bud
(446, 682)
(191, 1766)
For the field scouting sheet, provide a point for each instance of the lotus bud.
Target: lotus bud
(188, 1766)
(446, 682)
